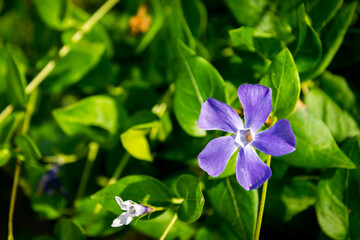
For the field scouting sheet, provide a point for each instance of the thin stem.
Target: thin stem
(125, 159)
(6, 112)
(13, 198)
(93, 151)
(25, 127)
(163, 236)
(40, 77)
(262, 204)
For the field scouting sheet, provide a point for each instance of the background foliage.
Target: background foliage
(117, 116)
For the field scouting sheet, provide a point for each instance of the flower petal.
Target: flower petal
(214, 157)
(251, 172)
(216, 115)
(121, 203)
(277, 140)
(123, 219)
(256, 102)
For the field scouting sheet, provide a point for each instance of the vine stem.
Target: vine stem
(93, 151)
(25, 127)
(173, 220)
(262, 204)
(49, 67)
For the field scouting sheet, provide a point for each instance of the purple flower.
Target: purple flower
(251, 171)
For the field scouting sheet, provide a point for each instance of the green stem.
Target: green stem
(262, 204)
(163, 236)
(125, 159)
(85, 28)
(25, 127)
(13, 198)
(93, 151)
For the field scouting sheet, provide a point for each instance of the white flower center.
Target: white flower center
(244, 137)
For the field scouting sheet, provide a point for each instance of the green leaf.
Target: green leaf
(54, 13)
(197, 80)
(236, 205)
(68, 230)
(340, 123)
(337, 89)
(138, 188)
(74, 66)
(246, 12)
(332, 37)
(28, 147)
(15, 79)
(156, 227)
(332, 214)
(8, 127)
(297, 196)
(283, 78)
(315, 146)
(309, 49)
(96, 117)
(322, 11)
(247, 39)
(135, 142)
(188, 187)
(99, 223)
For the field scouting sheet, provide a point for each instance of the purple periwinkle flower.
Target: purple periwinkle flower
(251, 171)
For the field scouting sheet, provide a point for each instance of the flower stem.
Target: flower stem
(93, 151)
(262, 204)
(163, 236)
(85, 28)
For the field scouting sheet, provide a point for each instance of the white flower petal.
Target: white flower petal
(123, 219)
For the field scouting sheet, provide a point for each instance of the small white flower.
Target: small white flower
(131, 209)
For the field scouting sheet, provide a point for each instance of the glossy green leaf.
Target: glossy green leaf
(196, 81)
(74, 66)
(68, 230)
(337, 89)
(96, 117)
(54, 13)
(28, 147)
(188, 187)
(156, 227)
(332, 37)
(309, 49)
(322, 11)
(236, 205)
(135, 142)
(315, 146)
(246, 12)
(138, 188)
(15, 79)
(340, 123)
(331, 212)
(297, 196)
(283, 78)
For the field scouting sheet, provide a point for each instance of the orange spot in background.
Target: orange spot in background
(141, 22)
